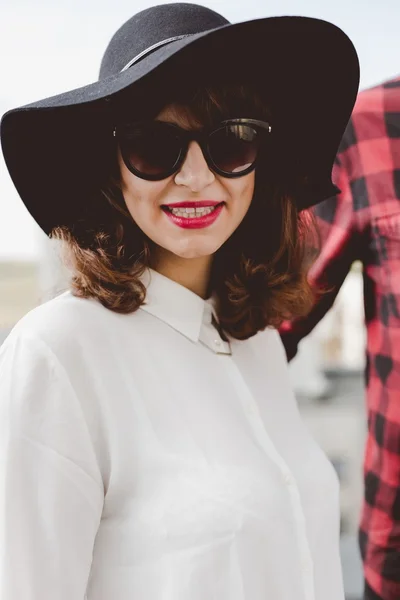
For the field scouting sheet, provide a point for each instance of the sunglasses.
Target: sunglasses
(155, 150)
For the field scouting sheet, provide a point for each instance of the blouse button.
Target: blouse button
(289, 479)
(217, 343)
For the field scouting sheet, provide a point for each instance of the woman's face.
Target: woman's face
(193, 183)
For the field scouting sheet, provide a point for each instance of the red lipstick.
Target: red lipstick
(193, 215)
(192, 203)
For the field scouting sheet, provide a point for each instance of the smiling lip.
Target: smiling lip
(192, 204)
(194, 222)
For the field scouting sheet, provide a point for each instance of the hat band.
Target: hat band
(152, 48)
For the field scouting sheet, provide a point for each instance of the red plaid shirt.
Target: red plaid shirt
(363, 223)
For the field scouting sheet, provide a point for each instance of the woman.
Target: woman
(151, 443)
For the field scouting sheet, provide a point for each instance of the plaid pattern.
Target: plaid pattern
(363, 223)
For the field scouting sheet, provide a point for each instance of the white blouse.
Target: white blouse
(144, 458)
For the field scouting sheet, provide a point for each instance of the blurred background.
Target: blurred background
(48, 47)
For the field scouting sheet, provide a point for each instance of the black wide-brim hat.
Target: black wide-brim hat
(307, 68)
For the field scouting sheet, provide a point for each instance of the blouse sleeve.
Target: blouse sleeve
(51, 493)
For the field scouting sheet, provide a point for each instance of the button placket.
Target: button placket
(289, 479)
(251, 409)
(306, 565)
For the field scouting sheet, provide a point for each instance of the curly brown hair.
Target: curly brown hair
(258, 277)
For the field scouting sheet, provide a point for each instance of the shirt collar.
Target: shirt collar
(174, 304)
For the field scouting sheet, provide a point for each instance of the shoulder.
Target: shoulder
(66, 324)
(374, 100)
(268, 344)
(368, 120)
(377, 100)
(369, 101)
(63, 313)
(364, 136)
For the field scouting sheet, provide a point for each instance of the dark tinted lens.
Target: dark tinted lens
(152, 149)
(233, 148)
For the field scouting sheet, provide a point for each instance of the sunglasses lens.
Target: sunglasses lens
(151, 149)
(234, 147)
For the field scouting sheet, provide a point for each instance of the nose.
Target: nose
(194, 172)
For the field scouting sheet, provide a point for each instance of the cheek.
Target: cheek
(141, 196)
(242, 191)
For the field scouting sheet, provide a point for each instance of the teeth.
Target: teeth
(191, 213)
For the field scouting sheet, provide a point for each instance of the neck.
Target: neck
(192, 273)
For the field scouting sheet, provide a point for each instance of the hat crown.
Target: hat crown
(153, 25)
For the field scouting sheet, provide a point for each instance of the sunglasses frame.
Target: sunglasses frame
(185, 137)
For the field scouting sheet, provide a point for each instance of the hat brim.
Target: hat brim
(307, 67)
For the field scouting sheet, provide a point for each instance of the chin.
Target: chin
(193, 250)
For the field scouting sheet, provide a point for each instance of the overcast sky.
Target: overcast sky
(47, 47)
